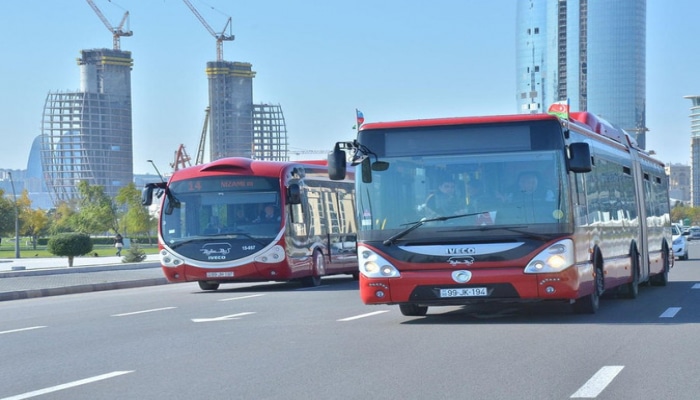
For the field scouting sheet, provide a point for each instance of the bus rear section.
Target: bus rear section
(515, 208)
(240, 220)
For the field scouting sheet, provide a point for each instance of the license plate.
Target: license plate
(464, 292)
(220, 274)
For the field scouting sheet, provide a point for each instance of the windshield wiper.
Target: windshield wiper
(515, 229)
(418, 224)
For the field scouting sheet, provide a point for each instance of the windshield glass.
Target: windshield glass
(222, 206)
(486, 191)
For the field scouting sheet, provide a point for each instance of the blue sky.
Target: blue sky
(392, 59)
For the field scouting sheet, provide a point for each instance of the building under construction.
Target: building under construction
(87, 135)
(239, 128)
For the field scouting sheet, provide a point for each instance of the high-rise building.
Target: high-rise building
(269, 133)
(239, 128)
(592, 53)
(678, 183)
(87, 135)
(694, 150)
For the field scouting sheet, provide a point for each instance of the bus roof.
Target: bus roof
(456, 121)
(583, 119)
(238, 165)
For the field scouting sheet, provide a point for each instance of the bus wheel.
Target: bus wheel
(662, 278)
(318, 269)
(206, 285)
(413, 310)
(633, 287)
(589, 304)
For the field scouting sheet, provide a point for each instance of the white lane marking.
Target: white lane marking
(696, 286)
(670, 312)
(143, 312)
(242, 297)
(363, 316)
(66, 385)
(224, 318)
(598, 382)
(22, 329)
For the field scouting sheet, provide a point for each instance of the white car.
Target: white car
(680, 244)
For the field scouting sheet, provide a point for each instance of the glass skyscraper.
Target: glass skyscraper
(590, 52)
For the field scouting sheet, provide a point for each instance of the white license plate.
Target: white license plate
(220, 274)
(464, 292)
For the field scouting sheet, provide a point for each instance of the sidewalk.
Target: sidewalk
(37, 277)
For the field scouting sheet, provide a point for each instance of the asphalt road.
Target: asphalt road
(281, 341)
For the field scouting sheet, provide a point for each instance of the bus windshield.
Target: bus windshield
(523, 191)
(226, 206)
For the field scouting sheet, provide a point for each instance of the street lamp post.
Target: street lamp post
(14, 194)
(156, 168)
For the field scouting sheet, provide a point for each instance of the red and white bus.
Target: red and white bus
(599, 220)
(236, 219)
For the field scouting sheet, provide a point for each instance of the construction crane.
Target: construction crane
(220, 37)
(117, 32)
(203, 139)
(182, 159)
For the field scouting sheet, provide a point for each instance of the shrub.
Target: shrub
(70, 245)
(134, 253)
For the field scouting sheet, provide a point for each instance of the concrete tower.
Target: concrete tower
(87, 135)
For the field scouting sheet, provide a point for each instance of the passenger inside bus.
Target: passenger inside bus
(445, 201)
(213, 227)
(529, 202)
(240, 216)
(268, 215)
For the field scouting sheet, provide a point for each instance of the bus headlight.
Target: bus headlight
(168, 259)
(372, 265)
(554, 258)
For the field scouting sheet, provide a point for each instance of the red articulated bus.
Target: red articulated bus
(237, 219)
(513, 208)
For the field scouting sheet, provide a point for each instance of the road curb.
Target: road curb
(73, 270)
(94, 287)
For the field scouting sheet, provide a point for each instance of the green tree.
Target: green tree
(61, 218)
(97, 210)
(34, 224)
(136, 219)
(70, 245)
(7, 215)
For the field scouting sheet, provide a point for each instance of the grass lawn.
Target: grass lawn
(7, 250)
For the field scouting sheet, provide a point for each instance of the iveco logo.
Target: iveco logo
(462, 276)
(460, 260)
(461, 250)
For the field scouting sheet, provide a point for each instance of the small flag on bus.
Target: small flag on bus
(560, 109)
(360, 118)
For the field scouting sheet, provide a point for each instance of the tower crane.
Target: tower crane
(220, 37)
(117, 32)
(203, 139)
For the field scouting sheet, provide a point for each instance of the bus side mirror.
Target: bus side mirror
(147, 194)
(337, 164)
(580, 157)
(294, 194)
(366, 170)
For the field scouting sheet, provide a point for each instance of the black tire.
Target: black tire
(632, 288)
(318, 270)
(661, 279)
(413, 310)
(589, 304)
(684, 256)
(206, 285)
